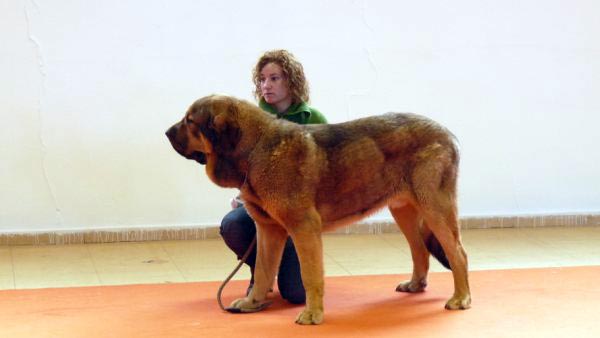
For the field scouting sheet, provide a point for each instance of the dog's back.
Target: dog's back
(372, 160)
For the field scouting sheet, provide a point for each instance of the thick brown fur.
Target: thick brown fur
(302, 180)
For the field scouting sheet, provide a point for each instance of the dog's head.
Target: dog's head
(209, 128)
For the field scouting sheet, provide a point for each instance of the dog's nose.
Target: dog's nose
(171, 132)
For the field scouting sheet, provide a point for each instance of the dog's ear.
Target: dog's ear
(222, 129)
(219, 122)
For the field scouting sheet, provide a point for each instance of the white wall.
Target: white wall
(87, 90)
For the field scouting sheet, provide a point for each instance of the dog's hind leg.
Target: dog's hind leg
(441, 217)
(409, 221)
(434, 189)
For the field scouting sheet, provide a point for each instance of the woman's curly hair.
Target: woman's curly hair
(292, 71)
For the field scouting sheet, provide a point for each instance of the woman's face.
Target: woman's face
(274, 87)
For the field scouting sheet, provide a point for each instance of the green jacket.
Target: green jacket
(300, 113)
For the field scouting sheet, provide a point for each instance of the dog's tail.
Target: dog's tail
(435, 248)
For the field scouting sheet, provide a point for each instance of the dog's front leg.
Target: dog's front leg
(309, 246)
(270, 243)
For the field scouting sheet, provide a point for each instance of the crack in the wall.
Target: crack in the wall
(373, 67)
(37, 46)
(369, 89)
(363, 15)
(362, 5)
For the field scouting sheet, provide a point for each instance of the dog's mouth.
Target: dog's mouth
(198, 156)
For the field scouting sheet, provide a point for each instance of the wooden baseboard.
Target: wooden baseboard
(211, 232)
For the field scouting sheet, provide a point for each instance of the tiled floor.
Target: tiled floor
(209, 260)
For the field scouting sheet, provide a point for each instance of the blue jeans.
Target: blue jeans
(238, 231)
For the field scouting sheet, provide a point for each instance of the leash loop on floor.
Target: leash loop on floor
(242, 261)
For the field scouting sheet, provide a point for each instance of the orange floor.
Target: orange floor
(549, 302)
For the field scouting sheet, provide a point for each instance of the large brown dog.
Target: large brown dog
(302, 180)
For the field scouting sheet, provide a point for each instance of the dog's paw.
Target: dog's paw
(308, 317)
(246, 305)
(412, 286)
(459, 303)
